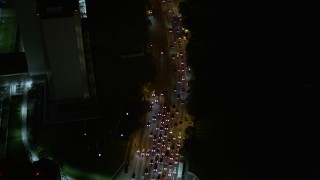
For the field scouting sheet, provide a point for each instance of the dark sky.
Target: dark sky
(260, 74)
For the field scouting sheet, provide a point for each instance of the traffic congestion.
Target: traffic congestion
(157, 156)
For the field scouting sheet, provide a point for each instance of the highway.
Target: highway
(155, 148)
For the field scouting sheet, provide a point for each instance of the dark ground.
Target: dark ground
(257, 72)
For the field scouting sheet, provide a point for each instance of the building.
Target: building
(52, 49)
(70, 81)
(14, 70)
(62, 33)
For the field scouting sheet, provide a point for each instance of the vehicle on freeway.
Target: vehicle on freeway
(146, 171)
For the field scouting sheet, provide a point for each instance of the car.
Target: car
(167, 153)
(153, 149)
(149, 12)
(175, 170)
(151, 106)
(133, 176)
(146, 171)
(165, 134)
(161, 93)
(151, 134)
(154, 118)
(155, 167)
(151, 161)
(164, 174)
(148, 124)
(165, 166)
(172, 147)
